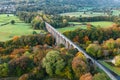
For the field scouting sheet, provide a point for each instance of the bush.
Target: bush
(12, 21)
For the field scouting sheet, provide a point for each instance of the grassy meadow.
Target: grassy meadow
(8, 31)
(70, 28)
(103, 24)
(88, 14)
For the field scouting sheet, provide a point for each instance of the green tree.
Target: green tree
(94, 50)
(117, 60)
(53, 63)
(4, 70)
(101, 76)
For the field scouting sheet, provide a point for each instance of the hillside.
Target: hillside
(56, 6)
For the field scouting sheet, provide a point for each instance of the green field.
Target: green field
(70, 28)
(20, 28)
(111, 67)
(4, 18)
(96, 24)
(102, 23)
(88, 14)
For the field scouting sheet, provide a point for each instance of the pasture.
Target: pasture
(103, 24)
(20, 28)
(70, 28)
(89, 13)
(82, 14)
(5, 18)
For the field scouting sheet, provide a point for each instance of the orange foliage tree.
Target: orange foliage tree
(79, 66)
(86, 76)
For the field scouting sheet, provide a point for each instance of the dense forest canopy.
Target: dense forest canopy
(57, 6)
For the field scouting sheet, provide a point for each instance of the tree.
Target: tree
(117, 60)
(79, 66)
(100, 76)
(4, 70)
(86, 76)
(110, 44)
(12, 21)
(81, 55)
(20, 65)
(94, 50)
(34, 32)
(53, 63)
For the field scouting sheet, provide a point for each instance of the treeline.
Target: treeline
(58, 6)
(26, 16)
(31, 40)
(38, 19)
(46, 6)
(92, 19)
(94, 34)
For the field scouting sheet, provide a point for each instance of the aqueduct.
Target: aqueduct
(61, 39)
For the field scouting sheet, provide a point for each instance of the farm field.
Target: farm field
(111, 67)
(8, 31)
(104, 24)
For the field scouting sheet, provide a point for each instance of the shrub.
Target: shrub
(12, 21)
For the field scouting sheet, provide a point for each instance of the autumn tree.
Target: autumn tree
(53, 63)
(94, 50)
(117, 60)
(86, 76)
(110, 44)
(20, 65)
(79, 66)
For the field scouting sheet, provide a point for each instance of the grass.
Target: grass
(70, 28)
(88, 14)
(20, 28)
(4, 18)
(104, 24)
(111, 67)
